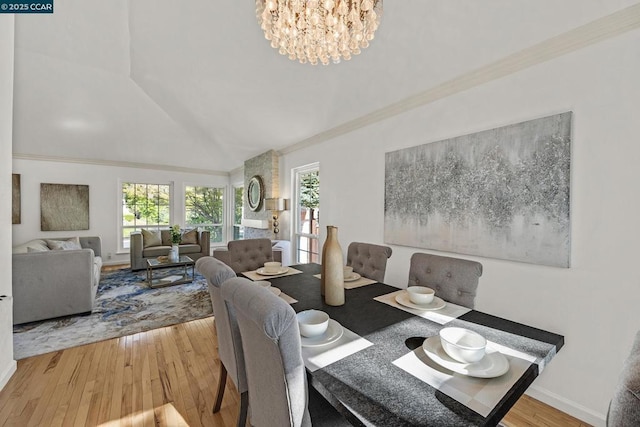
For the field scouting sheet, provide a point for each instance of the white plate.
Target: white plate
(332, 334)
(403, 299)
(276, 291)
(261, 271)
(493, 364)
(352, 278)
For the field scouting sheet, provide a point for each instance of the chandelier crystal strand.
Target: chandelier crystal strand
(319, 30)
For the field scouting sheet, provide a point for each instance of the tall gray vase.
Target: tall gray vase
(332, 279)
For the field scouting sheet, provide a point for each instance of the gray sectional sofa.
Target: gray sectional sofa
(55, 277)
(140, 250)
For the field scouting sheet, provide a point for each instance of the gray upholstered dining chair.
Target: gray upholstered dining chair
(276, 375)
(249, 254)
(454, 280)
(368, 260)
(624, 408)
(229, 343)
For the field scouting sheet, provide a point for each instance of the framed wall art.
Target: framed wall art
(64, 207)
(502, 193)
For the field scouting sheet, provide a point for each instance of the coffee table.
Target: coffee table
(157, 280)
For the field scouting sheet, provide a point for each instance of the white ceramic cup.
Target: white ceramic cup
(347, 271)
(420, 294)
(272, 266)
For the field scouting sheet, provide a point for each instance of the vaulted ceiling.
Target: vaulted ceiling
(194, 84)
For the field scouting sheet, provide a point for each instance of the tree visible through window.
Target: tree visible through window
(307, 214)
(145, 206)
(204, 208)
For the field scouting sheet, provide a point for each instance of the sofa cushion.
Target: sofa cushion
(166, 237)
(97, 269)
(150, 238)
(189, 249)
(157, 251)
(37, 245)
(67, 244)
(189, 237)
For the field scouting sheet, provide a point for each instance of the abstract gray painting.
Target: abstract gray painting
(501, 193)
(64, 207)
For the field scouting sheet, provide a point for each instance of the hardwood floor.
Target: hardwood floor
(163, 377)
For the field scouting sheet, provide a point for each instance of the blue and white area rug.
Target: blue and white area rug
(124, 305)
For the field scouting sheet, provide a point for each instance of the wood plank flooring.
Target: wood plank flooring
(163, 377)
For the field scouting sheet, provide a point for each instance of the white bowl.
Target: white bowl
(347, 271)
(312, 322)
(420, 294)
(272, 266)
(462, 344)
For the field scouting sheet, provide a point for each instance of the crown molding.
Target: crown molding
(593, 32)
(121, 164)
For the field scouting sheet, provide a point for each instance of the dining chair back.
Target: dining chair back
(368, 260)
(454, 280)
(249, 254)
(275, 370)
(624, 408)
(229, 342)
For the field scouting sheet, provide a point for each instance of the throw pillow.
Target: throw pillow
(36, 249)
(68, 244)
(38, 244)
(189, 237)
(150, 238)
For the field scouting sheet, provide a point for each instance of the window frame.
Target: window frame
(121, 227)
(296, 173)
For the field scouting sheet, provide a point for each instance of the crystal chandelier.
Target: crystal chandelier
(319, 30)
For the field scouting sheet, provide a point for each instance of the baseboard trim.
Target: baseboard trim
(8, 373)
(567, 406)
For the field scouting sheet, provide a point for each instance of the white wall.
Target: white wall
(104, 197)
(7, 364)
(594, 304)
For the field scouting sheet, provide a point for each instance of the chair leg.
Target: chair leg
(244, 406)
(221, 385)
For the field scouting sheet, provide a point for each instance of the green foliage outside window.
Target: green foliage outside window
(204, 207)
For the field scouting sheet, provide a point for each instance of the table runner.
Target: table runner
(443, 316)
(255, 276)
(318, 357)
(362, 281)
(479, 394)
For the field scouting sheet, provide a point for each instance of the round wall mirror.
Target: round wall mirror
(255, 193)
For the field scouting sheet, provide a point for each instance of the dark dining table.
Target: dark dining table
(369, 389)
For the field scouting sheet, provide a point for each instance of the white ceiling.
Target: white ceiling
(195, 84)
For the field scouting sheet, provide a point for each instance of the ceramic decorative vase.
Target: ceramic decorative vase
(332, 279)
(174, 254)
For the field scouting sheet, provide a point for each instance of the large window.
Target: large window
(238, 229)
(307, 213)
(144, 206)
(204, 209)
